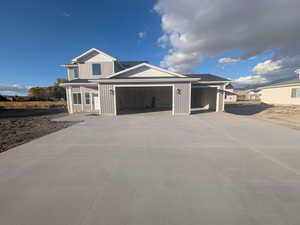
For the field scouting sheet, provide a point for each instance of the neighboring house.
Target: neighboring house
(248, 95)
(230, 95)
(102, 84)
(285, 93)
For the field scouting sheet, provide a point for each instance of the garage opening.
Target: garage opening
(143, 99)
(203, 99)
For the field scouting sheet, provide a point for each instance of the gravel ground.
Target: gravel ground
(26, 125)
(287, 115)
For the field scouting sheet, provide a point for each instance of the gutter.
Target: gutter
(76, 84)
(279, 86)
(166, 80)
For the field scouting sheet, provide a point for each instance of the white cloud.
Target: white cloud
(270, 71)
(194, 28)
(229, 60)
(181, 62)
(266, 67)
(141, 34)
(248, 81)
(14, 90)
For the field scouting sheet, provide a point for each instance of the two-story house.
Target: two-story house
(101, 84)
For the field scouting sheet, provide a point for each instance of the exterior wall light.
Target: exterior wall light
(178, 91)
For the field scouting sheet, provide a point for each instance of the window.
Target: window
(87, 99)
(76, 72)
(76, 98)
(295, 92)
(96, 69)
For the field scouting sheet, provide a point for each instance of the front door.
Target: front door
(96, 102)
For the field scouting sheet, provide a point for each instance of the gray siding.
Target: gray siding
(107, 99)
(85, 70)
(182, 100)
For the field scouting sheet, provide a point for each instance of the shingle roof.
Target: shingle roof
(285, 83)
(207, 77)
(229, 86)
(122, 65)
(128, 64)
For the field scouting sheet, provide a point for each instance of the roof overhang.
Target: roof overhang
(145, 80)
(212, 82)
(78, 84)
(279, 86)
(69, 65)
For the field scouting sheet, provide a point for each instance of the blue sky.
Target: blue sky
(38, 36)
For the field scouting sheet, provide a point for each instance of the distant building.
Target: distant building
(230, 95)
(248, 95)
(284, 93)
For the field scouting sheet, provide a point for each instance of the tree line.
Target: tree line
(50, 93)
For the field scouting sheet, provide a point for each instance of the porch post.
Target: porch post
(218, 99)
(99, 99)
(69, 93)
(190, 98)
(223, 93)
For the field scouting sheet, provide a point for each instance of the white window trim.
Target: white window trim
(77, 99)
(93, 70)
(77, 72)
(296, 92)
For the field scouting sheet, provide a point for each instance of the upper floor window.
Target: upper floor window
(76, 72)
(96, 69)
(295, 92)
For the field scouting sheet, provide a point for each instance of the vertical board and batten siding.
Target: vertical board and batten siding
(107, 99)
(182, 100)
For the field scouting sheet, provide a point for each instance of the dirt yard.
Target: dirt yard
(18, 126)
(280, 114)
(32, 105)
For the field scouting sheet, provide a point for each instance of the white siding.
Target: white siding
(280, 95)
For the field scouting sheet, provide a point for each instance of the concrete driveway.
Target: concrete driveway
(155, 169)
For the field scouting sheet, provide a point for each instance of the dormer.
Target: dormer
(92, 64)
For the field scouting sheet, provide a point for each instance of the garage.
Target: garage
(204, 98)
(144, 99)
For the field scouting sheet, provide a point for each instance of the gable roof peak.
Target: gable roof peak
(149, 66)
(89, 52)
